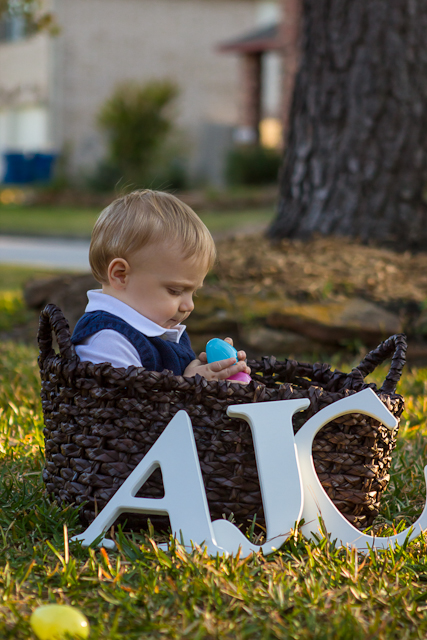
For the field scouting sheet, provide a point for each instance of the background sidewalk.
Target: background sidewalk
(45, 252)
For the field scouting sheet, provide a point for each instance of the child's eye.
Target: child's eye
(174, 292)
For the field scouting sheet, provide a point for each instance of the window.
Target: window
(15, 26)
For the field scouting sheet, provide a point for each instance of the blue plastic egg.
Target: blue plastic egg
(217, 349)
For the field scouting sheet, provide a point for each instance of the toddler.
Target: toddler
(151, 253)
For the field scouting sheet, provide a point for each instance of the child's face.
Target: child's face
(161, 283)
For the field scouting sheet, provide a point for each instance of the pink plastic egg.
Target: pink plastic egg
(240, 376)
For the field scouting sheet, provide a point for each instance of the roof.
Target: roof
(261, 39)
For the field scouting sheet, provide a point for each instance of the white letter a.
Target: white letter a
(184, 500)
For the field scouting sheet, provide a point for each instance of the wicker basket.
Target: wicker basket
(100, 421)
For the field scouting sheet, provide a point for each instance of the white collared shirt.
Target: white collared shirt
(110, 346)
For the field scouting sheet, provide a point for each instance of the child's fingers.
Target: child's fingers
(203, 357)
(242, 358)
(220, 365)
(229, 340)
(227, 371)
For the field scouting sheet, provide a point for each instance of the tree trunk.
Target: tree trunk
(356, 158)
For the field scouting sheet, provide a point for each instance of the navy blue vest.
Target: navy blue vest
(156, 354)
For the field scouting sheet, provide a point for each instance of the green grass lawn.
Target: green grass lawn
(72, 222)
(13, 311)
(13, 277)
(47, 221)
(304, 591)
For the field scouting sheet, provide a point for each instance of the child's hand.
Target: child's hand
(241, 355)
(220, 370)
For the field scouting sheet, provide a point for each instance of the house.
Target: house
(52, 87)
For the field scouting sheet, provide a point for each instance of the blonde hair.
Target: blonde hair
(142, 217)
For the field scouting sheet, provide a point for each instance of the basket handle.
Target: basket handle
(52, 320)
(394, 346)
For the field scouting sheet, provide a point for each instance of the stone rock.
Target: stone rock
(219, 315)
(219, 321)
(255, 307)
(417, 353)
(335, 322)
(217, 306)
(68, 292)
(266, 325)
(266, 341)
(213, 314)
(420, 326)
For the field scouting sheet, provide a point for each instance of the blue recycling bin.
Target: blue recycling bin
(28, 168)
(42, 167)
(17, 169)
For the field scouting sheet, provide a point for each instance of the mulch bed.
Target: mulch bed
(320, 269)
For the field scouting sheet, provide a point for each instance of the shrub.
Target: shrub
(136, 120)
(252, 164)
(106, 176)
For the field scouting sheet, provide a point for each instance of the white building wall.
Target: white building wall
(105, 42)
(24, 95)
(24, 70)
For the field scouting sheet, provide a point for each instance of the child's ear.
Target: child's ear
(118, 273)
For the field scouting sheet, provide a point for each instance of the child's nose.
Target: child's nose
(187, 304)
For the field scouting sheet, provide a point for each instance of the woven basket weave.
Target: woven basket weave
(100, 421)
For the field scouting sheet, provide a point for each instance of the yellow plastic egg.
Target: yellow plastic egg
(53, 621)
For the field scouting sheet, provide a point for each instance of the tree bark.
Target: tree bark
(356, 159)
